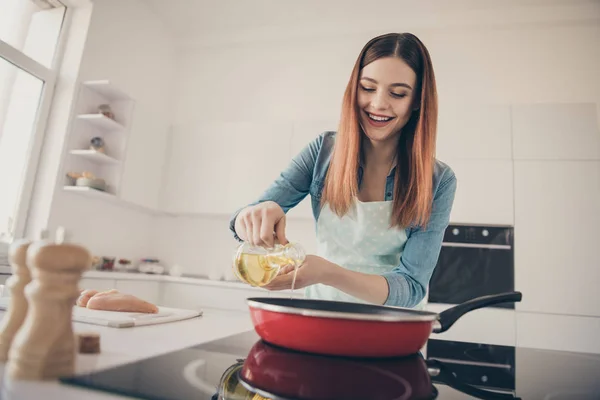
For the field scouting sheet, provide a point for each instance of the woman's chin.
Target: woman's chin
(379, 135)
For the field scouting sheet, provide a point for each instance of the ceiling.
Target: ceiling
(187, 19)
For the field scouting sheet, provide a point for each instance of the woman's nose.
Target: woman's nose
(378, 101)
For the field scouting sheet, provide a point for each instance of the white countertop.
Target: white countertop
(120, 346)
(136, 276)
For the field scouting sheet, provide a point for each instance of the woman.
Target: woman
(380, 199)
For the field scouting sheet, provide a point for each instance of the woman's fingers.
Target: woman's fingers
(282, 282)
(256, 223)
(249, 229)
(280, 231)
(243, 233)
(266, 232)
(286, 269)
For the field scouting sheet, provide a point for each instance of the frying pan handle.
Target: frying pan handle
(444, 375)
(450, 316)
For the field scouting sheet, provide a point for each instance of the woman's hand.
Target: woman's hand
(369, 287)
(314, 270)
(256, 224)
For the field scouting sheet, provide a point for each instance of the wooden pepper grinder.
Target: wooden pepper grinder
(17, 310)
(45, 346)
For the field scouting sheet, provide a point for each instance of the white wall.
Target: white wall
(128, 45)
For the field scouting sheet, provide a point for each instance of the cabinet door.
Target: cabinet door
(484, 193)
(145, 290)
(474, 131)
(557, 261)
(556, 132)
(5, 289)
(195, 296)
(97, 284)
(257, 155)
(488, 325)
(181, 295)
(197, 169)
(217, 168)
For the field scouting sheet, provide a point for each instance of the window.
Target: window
(30, 31)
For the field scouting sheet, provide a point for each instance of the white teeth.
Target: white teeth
(380, 119)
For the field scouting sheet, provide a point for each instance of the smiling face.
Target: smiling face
(386, 97)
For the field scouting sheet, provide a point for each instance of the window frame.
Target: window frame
(49, 76)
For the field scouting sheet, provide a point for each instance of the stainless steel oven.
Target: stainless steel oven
(475, 260)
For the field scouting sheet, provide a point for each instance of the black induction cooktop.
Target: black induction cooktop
(244, 367)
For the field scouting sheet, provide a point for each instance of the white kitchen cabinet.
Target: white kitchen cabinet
(215, 168)
(150, 291)
(191, 296)
(484, 193)
(557, 215)
(487, 325)
(202, 294)
(98, 284)
(198, 162)
(556, 132)
(558, 332)
(257, 155)
(6, 291)
(474, 131)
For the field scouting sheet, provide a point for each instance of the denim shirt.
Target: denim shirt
(407, 282)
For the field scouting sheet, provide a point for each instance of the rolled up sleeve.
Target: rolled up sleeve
(408, 281)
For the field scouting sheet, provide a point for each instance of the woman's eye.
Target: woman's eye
(366, 89)
(399, 95)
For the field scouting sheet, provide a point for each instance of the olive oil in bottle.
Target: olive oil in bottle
(258, 266)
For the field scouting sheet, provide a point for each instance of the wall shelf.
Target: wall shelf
(111, 198)
(95, 156)
(106, 89)
(102, 122)
(90, 192)
(95, 129)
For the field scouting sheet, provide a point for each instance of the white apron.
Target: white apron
(361, 241)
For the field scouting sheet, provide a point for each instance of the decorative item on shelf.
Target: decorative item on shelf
(96, 263)
(151, 266)
(105, 110)
(87, 179)
(108, 264)
(97, 144)
(123, 264)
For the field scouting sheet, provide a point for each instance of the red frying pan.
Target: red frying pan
(353, 329)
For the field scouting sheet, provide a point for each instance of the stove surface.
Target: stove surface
(244, 367)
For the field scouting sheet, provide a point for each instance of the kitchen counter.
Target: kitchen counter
(241, 366)
(121, 346)
(153, 359)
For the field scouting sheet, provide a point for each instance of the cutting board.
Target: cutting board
(116, 319)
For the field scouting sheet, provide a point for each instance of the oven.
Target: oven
(475, 260)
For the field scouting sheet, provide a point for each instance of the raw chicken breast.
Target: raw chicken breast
(112, 300)
(85, 296)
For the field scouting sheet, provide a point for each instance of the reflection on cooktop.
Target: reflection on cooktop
(244, 367)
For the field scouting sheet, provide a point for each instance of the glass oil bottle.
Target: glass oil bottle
(258, 266)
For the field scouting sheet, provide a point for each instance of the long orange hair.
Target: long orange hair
(416, 147)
